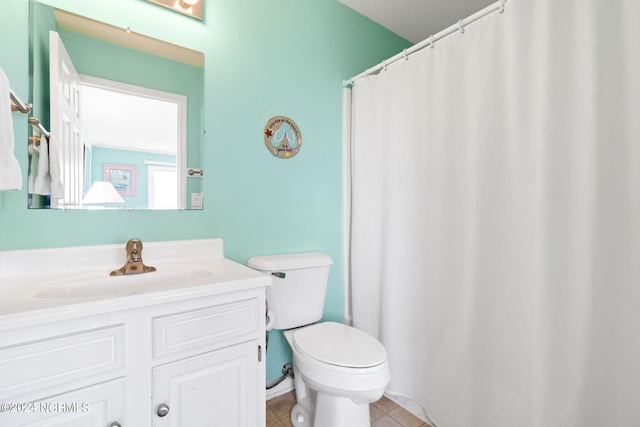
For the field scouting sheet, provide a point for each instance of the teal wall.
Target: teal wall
(262, 59)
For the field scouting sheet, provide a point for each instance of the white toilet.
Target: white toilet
(338, 369)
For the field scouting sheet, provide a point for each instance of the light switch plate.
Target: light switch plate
(196, 200)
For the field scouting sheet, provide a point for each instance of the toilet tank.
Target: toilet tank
(297, 295)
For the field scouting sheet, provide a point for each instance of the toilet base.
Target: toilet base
(317, 409)
(300, 417)
(338, 411)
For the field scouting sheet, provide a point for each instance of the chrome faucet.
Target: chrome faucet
(133, 264)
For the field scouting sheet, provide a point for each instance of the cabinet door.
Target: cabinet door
(218, 388)
(97, 405)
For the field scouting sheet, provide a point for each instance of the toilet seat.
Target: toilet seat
(339, 345)
(356, 383)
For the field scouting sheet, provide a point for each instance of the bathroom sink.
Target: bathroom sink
(114, 286)
(72, 282)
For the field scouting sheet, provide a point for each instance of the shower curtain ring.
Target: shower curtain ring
(404, 54)
(502, 2)
(431, 41)
(460, 27)
(384, 65)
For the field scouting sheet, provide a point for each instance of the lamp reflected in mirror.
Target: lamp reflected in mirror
(187, 7)
(102, 193)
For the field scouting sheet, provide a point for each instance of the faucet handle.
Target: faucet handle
(134, 244)
(133, 263)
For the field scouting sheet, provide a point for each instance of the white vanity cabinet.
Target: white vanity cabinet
(186, 357)
(64, 379)
(188, 363)
(98, 405)
(215, 388)
(216, 383)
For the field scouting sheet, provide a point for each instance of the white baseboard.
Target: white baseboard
(283, 388)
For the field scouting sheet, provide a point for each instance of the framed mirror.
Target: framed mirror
(124, 112)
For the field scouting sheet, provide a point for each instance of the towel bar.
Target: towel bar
(18, 105)
(36, 124)
(34, 140)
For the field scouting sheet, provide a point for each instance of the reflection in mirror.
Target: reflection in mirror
(130, 115)
(148, 133)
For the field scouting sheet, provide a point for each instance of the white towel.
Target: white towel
(32, 172)
(10, 172)
(42, 183)
(49, 172)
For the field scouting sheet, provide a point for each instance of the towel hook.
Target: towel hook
(460, 26)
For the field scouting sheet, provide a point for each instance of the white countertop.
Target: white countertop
(33, 282)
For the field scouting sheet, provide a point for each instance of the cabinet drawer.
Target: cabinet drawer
(204, 328)
(40, 364)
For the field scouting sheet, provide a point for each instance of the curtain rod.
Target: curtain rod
(459, 26)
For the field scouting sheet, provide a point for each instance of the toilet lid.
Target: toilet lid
(340, 345)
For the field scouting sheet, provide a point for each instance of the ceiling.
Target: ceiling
(416, 20)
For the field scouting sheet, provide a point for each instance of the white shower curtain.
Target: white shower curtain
(495, 238)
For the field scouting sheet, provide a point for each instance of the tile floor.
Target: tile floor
(384, 413)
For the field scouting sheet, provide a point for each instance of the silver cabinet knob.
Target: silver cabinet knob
(163, 410)
(115, 424)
